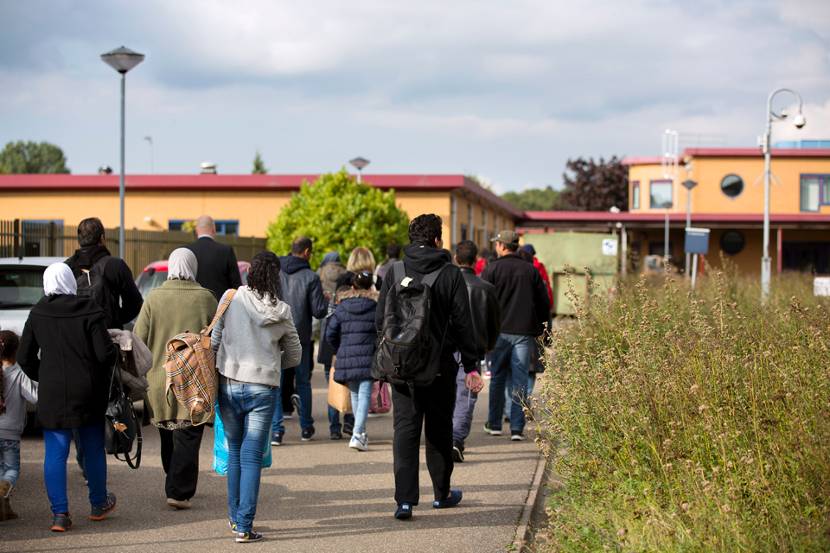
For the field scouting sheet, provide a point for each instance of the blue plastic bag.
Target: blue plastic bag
(220, 448)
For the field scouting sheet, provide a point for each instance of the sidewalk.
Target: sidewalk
(318, 496)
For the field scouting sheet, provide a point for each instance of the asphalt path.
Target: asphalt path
(317, 496)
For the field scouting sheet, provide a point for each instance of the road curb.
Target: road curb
(531, 503)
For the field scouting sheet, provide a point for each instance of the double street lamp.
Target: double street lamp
(122, 60)
(799, 121)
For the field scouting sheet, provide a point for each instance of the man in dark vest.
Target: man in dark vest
(218, 270)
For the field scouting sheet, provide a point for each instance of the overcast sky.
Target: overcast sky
(508, 90)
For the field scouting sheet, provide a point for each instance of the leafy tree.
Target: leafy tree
(259, 165)
(594, 185)
(20, 157)
(339, 214)
(533, 199)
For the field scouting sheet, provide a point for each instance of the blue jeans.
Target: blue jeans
(511, 359)
(462, 414)
(247, 411)
(56, 443)
(361, 399)
(334, 414)
(9, 460)
(303, 376)
(508, 390)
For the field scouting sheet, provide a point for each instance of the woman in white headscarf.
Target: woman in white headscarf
(66, 349)
(176, 306)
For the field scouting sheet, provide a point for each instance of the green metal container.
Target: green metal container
(569, 257)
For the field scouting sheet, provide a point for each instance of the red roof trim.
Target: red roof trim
(733, 152)
(603, 216)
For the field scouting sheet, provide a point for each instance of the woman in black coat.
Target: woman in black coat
(73, 369)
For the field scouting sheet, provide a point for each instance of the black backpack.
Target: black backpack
(92, 284)
(406, 353)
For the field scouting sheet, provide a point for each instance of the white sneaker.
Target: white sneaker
(359, 442)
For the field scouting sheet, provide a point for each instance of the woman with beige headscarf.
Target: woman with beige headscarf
(178, 305)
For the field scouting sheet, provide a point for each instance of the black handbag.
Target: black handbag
(122, 429)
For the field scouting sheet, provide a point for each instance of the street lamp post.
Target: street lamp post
(122, 60)
(359, 163)
(799, 121)
(688, 184)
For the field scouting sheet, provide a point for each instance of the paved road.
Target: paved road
(318, 496)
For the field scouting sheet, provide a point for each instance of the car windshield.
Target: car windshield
(20, 286)
(150, 279)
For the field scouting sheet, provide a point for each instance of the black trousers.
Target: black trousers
(180, 459)
(287, 390)
(431, 409)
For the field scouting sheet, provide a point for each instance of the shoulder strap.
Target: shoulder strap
(399, 272)
(220, 312)
(430, 278)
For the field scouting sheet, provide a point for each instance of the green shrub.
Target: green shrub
(339, 214)
(686, 421)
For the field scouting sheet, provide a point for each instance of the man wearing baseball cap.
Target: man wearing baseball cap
(525, 307)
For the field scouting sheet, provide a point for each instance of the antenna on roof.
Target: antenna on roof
(671, 145)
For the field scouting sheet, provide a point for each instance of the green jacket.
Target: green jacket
(174, 307)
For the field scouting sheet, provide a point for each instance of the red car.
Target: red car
(156, 272)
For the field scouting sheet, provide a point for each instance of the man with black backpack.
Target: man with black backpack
(423, 317)
(107, 279)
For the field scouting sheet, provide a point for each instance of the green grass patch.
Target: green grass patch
(690, 421)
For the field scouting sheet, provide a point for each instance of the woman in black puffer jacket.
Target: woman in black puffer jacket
(351, 332)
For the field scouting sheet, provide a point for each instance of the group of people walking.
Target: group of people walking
(65, 357)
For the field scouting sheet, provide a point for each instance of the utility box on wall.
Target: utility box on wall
(566, 256)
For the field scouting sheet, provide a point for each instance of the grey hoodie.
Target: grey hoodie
(255, 339)
(18, 390)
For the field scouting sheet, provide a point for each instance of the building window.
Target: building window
(463, 231)
(661, 194)
(732, 242)
(635, 195)
(815, 192)
(224, 227)
(732, 185)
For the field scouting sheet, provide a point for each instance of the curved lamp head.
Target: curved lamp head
(122, 59)
(359, 163)
(799, 120)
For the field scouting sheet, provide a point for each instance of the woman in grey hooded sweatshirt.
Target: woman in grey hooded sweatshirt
(255, 339)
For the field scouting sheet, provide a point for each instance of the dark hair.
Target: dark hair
(465, 252)
(8, 346)
(393, 251)
(90, 232)
(511, 246)
(300, 245)
(526, 255)
(425, 229)
(484, 253)
(363, 280)
(264, 276)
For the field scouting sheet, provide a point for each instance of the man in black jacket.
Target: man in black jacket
(431, 407)
(302, 290)
(525, 307)
(217, 270)
(119, 297)
(486, 322)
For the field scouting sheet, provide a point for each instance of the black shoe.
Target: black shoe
(451, 501)
(404, 511)
(457, 454)
(307, 434)
(103, 511)
(295, 401)
(517, 436)
(492, 431)
(248, 537)
(276, 438)
(336, 435)
(348, 429)
(61, 522)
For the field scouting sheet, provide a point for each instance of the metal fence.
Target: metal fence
(24, 238)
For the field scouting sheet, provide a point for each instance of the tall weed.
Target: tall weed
(691, 421)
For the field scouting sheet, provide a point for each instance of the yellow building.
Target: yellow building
(728, 199)
(241, 204)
